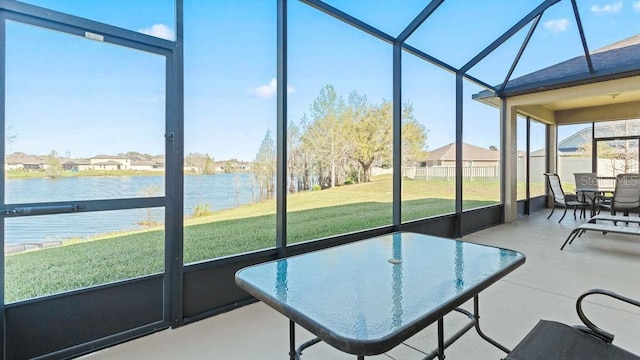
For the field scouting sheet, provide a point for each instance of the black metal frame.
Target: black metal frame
(166, 288)
(438, 352)
(549, 338)
(602, 334)
(529, 204)
(179, 278)
(281, 176)
(595, 141)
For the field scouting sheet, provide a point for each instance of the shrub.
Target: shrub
(348, 182)
(316, 188)
(201, 210)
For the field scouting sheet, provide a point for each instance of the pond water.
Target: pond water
(219, 191)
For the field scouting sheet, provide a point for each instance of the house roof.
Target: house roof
(22, 158)
(469, 152)
(76, 161)
(571, 143)
(102, 156)
(110, 162)
(616, 60)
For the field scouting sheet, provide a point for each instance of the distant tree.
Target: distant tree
(150, 191)
(237, 186)
(10, 135)
(307, 159)
(203, 163)
(373, 133)
(209, 165)
(346, 139)
(414, 138)
(134, 155)
(493, 148)
(228, 166)
(372, 130)
(54, 167)
(295, 164)
(264, 165)
(327, 135)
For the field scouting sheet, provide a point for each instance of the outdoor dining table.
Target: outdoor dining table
(366, 297)
(593, 192)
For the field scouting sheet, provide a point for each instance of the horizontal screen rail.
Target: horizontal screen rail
(43, 210)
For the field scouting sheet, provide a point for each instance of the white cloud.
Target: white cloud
(159, 30)
(268, 90)
(556, 26)
(608, 8)
(636, 6)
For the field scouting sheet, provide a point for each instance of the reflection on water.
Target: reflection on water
(220, 191)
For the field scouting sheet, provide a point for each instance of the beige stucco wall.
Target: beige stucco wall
(603, 101)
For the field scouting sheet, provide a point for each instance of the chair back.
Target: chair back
(556, 187)
(627, 192)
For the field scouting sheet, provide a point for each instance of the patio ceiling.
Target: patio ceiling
(600, 101)
(631, 96)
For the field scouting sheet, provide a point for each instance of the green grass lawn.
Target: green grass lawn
(310, 215)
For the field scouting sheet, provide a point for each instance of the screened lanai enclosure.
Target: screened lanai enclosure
(153, 148)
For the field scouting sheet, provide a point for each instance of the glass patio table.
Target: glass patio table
(368, 296)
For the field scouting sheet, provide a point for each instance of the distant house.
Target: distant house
(22, 161)
(147, 165)
(571, 146)
(108, 162)
(242, 167)
(472, 156)
(76, 164)
(231, 166)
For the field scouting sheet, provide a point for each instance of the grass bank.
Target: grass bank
(310, 215)
(19, 174)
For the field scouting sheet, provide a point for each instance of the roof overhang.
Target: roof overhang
(581, 101)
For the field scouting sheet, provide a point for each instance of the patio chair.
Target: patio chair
(554, 340)
(564, 199)
(626, 196)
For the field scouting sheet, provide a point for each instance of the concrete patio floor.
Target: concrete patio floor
(545, 287)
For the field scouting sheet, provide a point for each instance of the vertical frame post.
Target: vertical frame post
(174, 207)
(594, 149)
(281, 139)
(2, 177)
(397, 136)
(528, 168)
(459, 139)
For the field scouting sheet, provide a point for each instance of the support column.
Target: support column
(509, 159)
(552, 155)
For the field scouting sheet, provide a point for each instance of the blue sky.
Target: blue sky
(69, 94)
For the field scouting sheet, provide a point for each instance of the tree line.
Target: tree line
(338, 142)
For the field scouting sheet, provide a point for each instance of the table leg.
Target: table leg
(292, 340)
(476, 314)
(441, 339)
